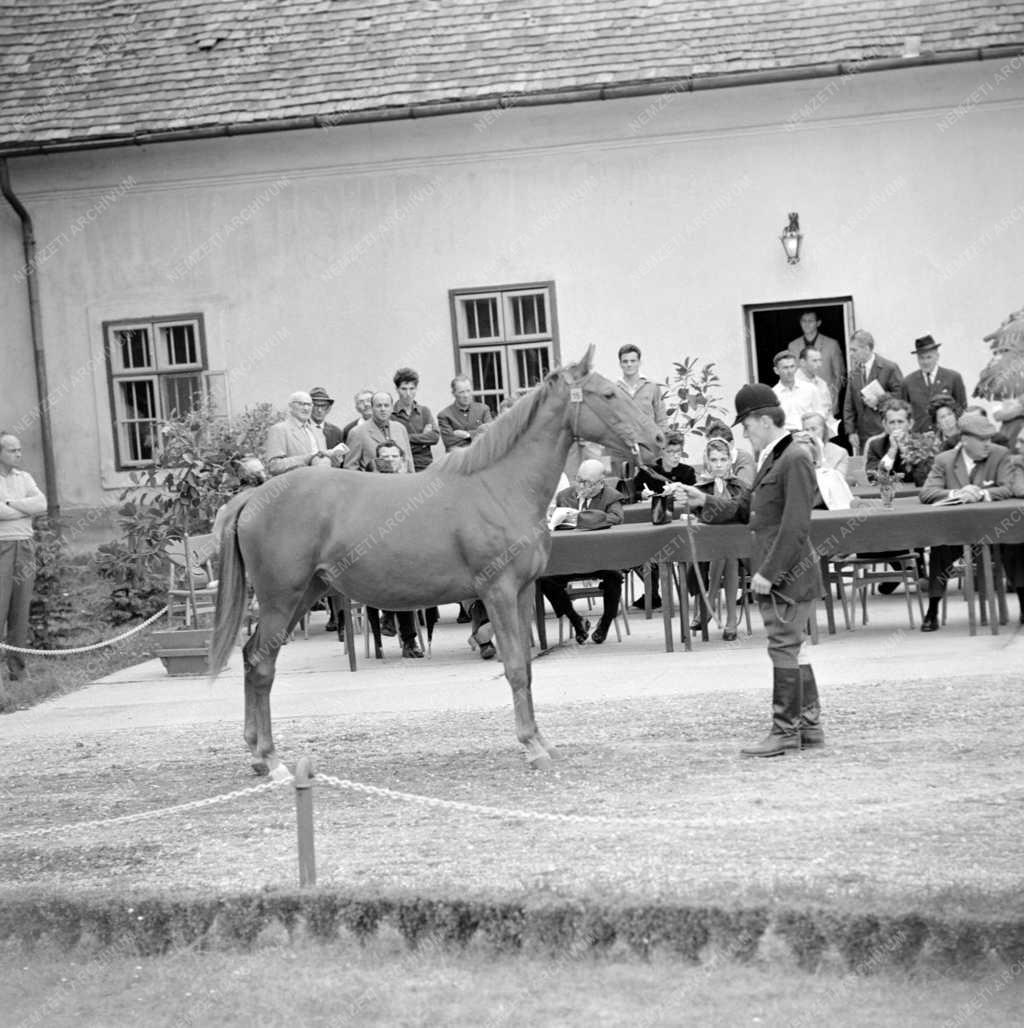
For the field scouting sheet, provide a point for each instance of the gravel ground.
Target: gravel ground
(918, 799)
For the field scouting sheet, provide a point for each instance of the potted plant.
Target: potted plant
(204, 458)
(693, 397)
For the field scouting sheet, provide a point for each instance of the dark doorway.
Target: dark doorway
(772, 326)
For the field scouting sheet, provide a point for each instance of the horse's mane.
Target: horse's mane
(501, 433)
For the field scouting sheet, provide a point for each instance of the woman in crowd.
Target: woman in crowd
(944, 412)
(831, 455)
(719, 479)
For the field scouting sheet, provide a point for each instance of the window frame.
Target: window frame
(506, 343)
(158, 371)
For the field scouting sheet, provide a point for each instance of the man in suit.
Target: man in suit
(322, 404)
(297, 441)
(786, 577)
(596, 505)
(462, 421)
(886, 451)
(862, 415)
(364, 439)
(930, 380)
(833, 367)
(975, 471)
(364, 406)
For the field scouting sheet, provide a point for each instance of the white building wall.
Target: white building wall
(325, 257)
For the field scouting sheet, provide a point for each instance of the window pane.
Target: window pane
(182, 393)
(138, 425)
(481, 318)
(179, 344)
(529, 315)
(133, 348)
(486, 371)
(532, 365)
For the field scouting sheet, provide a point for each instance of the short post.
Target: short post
(304, 821)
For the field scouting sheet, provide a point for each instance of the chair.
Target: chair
(865, 573)
(588, 589)
(357, 620)
(191, 582)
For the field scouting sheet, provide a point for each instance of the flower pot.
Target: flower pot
(184, 651)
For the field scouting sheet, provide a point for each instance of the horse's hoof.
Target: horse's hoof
(541, 762)
(260, 767)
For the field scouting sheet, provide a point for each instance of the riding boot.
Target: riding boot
(785, 731)
(811, 732)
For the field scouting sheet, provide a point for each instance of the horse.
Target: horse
(473, 524)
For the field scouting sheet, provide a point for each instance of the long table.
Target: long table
(906, 525)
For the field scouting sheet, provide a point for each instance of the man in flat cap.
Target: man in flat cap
(929, 380)
(786, 576)
(976, 470)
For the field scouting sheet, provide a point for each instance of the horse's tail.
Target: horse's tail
(231, 592)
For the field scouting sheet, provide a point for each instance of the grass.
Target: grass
(383, 984)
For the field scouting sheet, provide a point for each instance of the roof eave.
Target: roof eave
(685, 84)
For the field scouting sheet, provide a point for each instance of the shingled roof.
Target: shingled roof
(94, 72)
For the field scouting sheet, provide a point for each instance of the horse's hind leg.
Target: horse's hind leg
(506, 616)
(260, 659)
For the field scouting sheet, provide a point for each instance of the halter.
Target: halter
(576, 399)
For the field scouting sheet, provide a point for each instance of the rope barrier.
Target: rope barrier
(146, 815)
(86, 649)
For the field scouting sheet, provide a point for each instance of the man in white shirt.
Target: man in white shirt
(20, 500)
(796, 398)
(809, 371)
(833, 367)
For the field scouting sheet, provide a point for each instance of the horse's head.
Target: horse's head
(600, 413)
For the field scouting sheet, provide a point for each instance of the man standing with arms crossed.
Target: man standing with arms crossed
(20, 500)
(786, 578)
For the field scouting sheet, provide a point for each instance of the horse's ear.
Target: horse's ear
(585, 364)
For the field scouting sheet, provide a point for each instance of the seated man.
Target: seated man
(975, 471)
(891, 451)
(594, 504)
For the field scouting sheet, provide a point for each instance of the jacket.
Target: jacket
(950, 472)
(778, 510)
(364, 439)
(472, 421)
(918, 395)
(604, 511)
(289, 445)
(858, 417)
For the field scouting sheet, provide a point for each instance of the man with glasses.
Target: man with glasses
(589, 504)
(298, 442)
(322, 404)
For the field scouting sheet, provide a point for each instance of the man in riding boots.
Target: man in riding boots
(786, 576)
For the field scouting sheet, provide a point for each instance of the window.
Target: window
(156, 368)
(505, 338)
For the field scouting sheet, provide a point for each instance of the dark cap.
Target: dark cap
(924, 344)
(319, 393)
(977, 425)
(752, 399)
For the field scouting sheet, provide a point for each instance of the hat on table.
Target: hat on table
(977, 425)
(752, 399)
(321, 394)
(924, 344)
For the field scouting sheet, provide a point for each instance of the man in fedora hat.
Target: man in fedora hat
(976, 470)
(322, 404)
(929, 380)
(786, 578)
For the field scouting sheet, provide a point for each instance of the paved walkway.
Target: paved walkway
(313, 676)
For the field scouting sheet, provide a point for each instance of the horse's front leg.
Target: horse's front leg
(526, 614)
(503, 606)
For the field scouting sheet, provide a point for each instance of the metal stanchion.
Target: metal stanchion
(304, 821)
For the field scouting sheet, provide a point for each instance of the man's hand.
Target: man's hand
(972, 493)
(319, 460)
(692, 495)
(760, 584)
(854, 440)
(461, 433)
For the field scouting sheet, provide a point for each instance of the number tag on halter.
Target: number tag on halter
(576, 395)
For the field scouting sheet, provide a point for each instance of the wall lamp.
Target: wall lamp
(791, 237)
